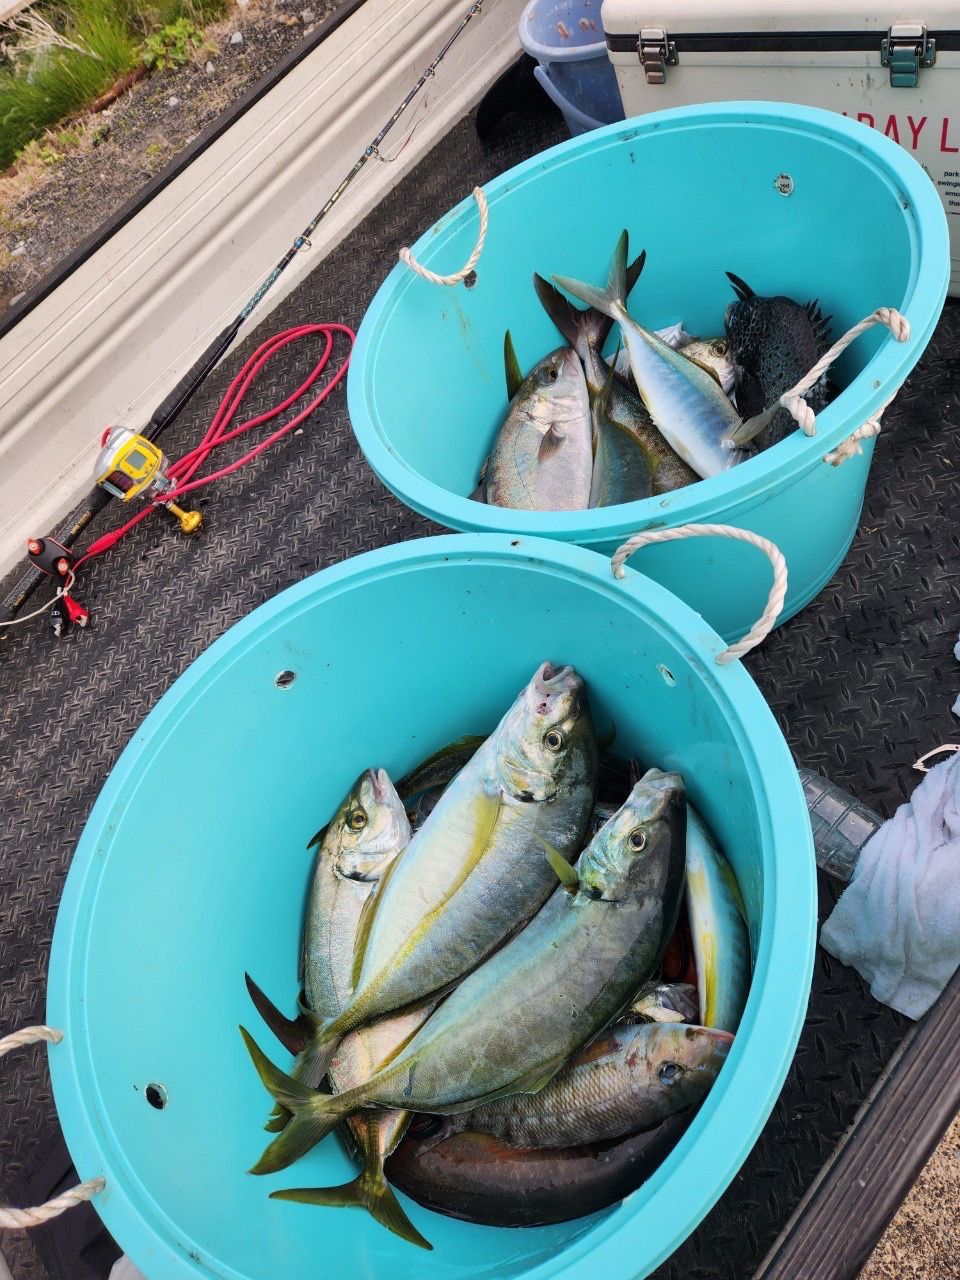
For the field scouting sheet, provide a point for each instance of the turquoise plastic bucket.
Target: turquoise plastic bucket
(864, 227)
(193, 867)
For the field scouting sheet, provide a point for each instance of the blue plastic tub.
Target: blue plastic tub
(567, 39)
(577, 121)
(863, 227)
(193, 867)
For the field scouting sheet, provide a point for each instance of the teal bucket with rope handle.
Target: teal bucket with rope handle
(177, 888)
(795, 200)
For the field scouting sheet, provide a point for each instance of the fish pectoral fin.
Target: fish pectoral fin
(551, 442)
(365, 921)
(442, 767)
(750, 429)
(531, 1081)
(566, 874)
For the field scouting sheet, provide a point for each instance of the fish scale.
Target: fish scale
(774, 343)
(611, 1088)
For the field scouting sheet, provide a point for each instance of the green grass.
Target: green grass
(41, 89)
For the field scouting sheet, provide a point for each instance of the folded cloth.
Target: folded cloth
(898, 921)
(123, 1269)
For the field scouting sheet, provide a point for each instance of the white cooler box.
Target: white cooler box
(894, 70)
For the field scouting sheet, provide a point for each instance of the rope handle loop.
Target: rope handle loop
(765, 623)
(456, 276)
(802, 413)
(20, 1219)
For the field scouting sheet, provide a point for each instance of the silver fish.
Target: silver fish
(721, 945)
(632, 1078)
(368, 832)
(586, 331)
(684, 400)
(475, 870)
(513, 1023)
(542, 457)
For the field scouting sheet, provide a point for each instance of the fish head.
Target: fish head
(715, 356)
(369, 829)
(681, 1061)
(544, 736)
(641, 849)
(555, 390)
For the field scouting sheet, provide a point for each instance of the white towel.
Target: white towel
(898, 922)
(123, 1269)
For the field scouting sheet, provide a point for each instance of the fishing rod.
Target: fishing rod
(52, 548)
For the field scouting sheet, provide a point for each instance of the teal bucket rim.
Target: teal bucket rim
(759, 1059)
(785, 462)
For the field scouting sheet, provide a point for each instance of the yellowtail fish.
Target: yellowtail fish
(685, 401)
(513, 1023)
(721, 944)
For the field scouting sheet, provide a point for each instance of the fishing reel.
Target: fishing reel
(131, 466)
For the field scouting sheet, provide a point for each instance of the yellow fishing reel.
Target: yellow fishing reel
(130, 465)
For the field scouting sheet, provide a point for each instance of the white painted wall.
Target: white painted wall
(107, 345)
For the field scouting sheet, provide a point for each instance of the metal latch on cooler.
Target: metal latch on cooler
(905, 50)
(656, 52)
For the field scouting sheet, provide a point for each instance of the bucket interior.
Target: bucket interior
(194, 868)
(699, 192)
(558, 30)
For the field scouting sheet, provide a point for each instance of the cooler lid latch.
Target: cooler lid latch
(656, 52)
(905, 49)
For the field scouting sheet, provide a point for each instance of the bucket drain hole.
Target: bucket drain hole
(156, 1095)
(284, 679)
(668, 676)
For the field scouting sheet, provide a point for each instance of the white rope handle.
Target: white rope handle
(20, 1219)
(805, 417)
(456, 276)
(764, 625)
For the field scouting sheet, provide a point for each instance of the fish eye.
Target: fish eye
(670, 1073)
(720, 347)
(637, 839)
(358, 820)
(552, 374)
(553, 740)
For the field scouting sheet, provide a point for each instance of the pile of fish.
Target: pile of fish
(667, 411)
(491, 963)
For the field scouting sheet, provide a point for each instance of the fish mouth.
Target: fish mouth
(378, 780)
(657, 792)
(553, 679)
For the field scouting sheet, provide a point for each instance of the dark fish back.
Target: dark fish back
(775, 342)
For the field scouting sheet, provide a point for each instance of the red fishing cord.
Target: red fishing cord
(219, 432)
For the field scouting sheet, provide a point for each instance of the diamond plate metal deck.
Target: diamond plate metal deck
(861, 683)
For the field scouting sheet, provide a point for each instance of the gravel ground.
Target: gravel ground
(49, 206)
(921, 1242)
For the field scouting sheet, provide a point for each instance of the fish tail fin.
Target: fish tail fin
(291, 1032)
(511, 366)
(369, 1190)
(312, 1116)
(614, 295)
(584, 328)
